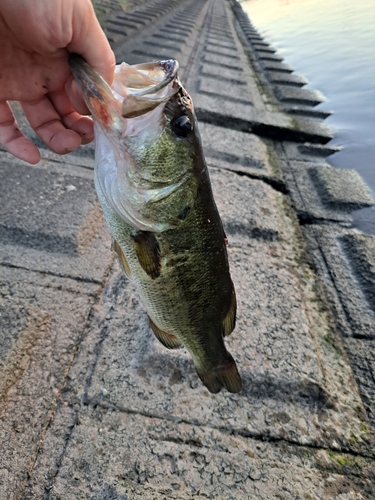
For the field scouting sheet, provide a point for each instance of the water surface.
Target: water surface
(331, 43)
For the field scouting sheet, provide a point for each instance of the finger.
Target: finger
(75, 96)
(13, 139)
(90, 41)
(83, 125)
(47, 123)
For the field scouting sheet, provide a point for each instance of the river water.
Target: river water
(332, 44)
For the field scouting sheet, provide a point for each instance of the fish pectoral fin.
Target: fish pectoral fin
(229, 322)
(148, 252)
(123, 262)
(169, 341)
(226, 376)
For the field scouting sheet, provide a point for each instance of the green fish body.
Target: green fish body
(153, 184)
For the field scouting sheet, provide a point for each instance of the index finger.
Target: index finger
(13, 139)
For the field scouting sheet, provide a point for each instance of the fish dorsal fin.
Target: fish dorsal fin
(123, 262)
(229, 322)
(147, 248)
(169, 341)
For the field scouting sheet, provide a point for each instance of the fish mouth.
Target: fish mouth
(136, 89)
(146, 85)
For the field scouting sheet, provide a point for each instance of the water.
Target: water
(331, 43)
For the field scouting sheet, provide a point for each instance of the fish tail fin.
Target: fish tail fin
(225, 375)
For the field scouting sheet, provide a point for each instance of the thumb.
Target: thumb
(90, 42)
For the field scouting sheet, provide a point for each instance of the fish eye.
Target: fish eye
(182, 126)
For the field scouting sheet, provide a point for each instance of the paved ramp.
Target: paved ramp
(91, 405)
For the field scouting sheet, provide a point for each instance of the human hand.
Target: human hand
(36, 37)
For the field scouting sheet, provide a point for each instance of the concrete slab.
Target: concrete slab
(350, 259)
(43, 208)
(146, 418)
(286, 79)
(309, 152)
(225, 90)
(112, 454)
(113, 10)
(361, 352)
(275, 344)
(50, 219)
(216, 49)
(225, 61)
(173, 43)
(277, 66)
(166, 36)
(240, 152)
(290, 94)
(182, 17)
(211, 40)
(234, 76)
(43, 319)
(267, 55)
(323, 193)
(341, 188)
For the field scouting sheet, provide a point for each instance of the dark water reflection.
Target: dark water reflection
(331, 42)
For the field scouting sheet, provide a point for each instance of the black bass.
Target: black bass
(153, 184)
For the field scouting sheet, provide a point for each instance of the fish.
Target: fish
(153, 184)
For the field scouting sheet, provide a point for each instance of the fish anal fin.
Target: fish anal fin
(229, 322)
(148, 252)
(226, 376)
(169, 341)
(123, 262)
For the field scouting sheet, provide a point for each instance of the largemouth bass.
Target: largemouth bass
(153, 184)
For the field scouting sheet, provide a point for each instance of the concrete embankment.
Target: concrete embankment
(91, 405)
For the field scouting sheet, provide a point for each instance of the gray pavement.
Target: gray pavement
(91, 405)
